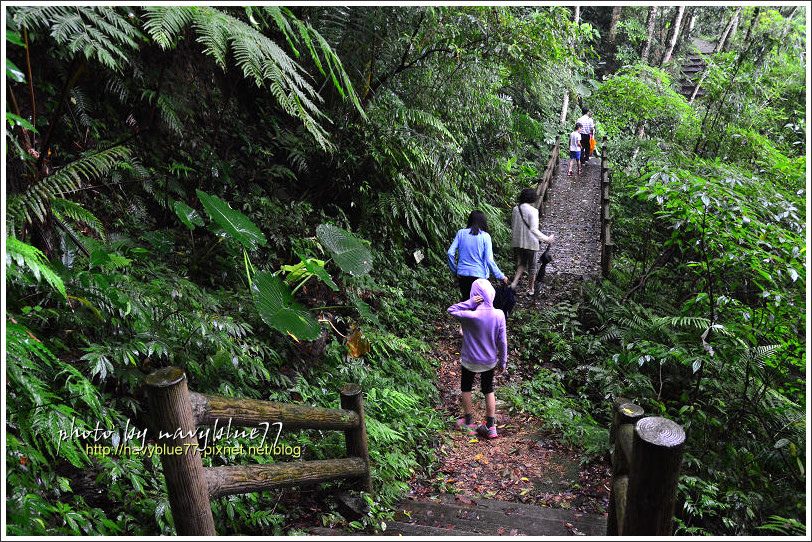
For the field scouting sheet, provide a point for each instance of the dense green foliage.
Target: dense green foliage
(241, 192)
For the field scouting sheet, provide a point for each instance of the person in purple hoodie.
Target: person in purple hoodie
(484, 351)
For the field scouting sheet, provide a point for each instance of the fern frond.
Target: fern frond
(66, 209)
(34, 260)
(104, 34)
(81, 105)
(35, 201)
(165, 23)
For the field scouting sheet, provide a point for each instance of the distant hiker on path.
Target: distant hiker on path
(526, 237)
(484, 351)
(587, 133)
(575, 148)
(476, 254)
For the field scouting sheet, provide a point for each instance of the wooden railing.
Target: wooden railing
(176, 412)
(645, 472)
(607, 247)
(546, 180)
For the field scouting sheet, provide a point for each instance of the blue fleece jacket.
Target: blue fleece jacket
(476, 255)
(484, 335)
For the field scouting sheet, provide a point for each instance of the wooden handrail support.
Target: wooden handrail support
(607, 247)
(176, 412)
(645, 472)
(547, 177)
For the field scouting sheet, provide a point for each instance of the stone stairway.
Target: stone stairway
(691, 73)
(693, 66)
(450, 515)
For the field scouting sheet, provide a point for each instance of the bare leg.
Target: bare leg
(518, 275)
(490, 405)
(467, 408)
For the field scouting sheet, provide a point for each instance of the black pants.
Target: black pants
(465, 286)
(585, 147)
(485, 381)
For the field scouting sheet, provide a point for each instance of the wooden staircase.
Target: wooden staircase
(450, 515)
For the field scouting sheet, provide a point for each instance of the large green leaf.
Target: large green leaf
(349, 253)
(233, 222)
(317, 268)
(187, 215)
(278, 309)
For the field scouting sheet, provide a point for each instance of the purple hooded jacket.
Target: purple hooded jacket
(484, 338)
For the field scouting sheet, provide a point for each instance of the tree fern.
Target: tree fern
(260, 59)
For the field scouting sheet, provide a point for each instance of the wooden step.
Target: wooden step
(597, 522)
(495, 517)
(395, 528)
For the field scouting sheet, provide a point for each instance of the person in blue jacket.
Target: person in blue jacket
(475, 254)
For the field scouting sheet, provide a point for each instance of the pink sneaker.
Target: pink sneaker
(487, 432)
(469, 428)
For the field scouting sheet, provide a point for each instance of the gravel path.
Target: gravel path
(572, 213)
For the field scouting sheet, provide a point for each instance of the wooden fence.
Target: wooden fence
(546, 180)
(645, 472)
(176, 412)
(607, 247)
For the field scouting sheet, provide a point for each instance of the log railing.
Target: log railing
(176, 412)
(546, 180)
(607, 247)
(645, 472)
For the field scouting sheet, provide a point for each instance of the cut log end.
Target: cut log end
(166, 377)
(350, 390)
(660, 432)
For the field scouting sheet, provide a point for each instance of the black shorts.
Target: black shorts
(465, 286)
(485, 380)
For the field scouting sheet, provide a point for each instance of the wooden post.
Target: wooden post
(607, 249)
(655, 465)
(172, 417)
(625, 415)
(352, 398)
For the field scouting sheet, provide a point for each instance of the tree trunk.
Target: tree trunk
(734, 25)
(788, 26)
(651, 21)
(731, 23)
(566, 105)
(616, 12)
(753, 20)
(611, 41)
(674, 35)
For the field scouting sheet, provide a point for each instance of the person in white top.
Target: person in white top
(587, 131)
(575, 148)
(526, 237)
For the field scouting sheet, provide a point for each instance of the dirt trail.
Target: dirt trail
(524, 464)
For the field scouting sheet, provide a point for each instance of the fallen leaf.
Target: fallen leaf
(464, 500)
